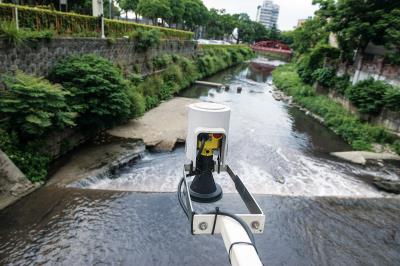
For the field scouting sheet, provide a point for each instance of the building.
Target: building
(268, 14)
(300, 23)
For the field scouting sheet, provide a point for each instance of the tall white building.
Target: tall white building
(268, 14)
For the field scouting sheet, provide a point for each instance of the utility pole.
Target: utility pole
(111, 3)
(98, 11)
(15, 2)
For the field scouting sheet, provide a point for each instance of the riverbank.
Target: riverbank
(160, 128)
(361, 135)
(115, 97)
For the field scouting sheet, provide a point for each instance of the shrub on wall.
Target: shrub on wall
(218, 57)
(392, 98)
(34, 106)
(146, 39)
(325, 77)
(161, 61)
(138, 102)
(341, 84)
(313, 61)
(396, 146)
(98, 91)
(368, 96)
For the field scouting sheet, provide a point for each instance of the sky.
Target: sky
(290, 10)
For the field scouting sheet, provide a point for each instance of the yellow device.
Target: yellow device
(212, 143)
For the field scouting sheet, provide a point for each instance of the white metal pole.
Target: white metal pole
(102, 18)
(16, 18)
(240, 254)
(102, 27)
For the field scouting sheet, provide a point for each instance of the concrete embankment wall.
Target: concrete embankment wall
(39, 58)
(13, 183)
(387, 118)
(366, 68)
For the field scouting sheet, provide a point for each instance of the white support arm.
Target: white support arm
(241, 254)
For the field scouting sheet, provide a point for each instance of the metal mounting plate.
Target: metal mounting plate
(202, 224)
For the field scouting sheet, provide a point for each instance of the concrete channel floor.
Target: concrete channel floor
(161, 127)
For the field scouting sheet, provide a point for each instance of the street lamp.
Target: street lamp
(98, 11)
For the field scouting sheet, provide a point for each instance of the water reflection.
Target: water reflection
(88, 227)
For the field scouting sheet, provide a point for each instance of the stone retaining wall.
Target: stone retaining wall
(40, 57)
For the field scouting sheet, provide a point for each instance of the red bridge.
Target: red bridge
(273, 47)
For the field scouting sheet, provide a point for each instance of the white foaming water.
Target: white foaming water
(273, 150)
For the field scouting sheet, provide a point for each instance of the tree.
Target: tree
(195, 14)
(128, 5)
(154, 9)
(359, 22)
(177, 10)
(220, 24)
(312, 32)
(287, 37)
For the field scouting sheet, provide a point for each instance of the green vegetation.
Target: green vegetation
(31, 107)
(317, 61)
(309, 35)
(396, 146)
(146, 39)
(98, 91)
(359, 22)
(392, 98)
(17, 37)
(28, 155)
(273, 56)
(310, 64)
(88, 93)
(34, 105)
(359, 134)
(62, 23)
(183, 14)
(179, 72)
(220, 24)
(355, 24)
(368, 96)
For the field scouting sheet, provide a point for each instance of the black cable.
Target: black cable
(241, 222)
(215, 219)
(233, 216)
(185, 210)
(216, 213)
(203, 143)
(238, 243)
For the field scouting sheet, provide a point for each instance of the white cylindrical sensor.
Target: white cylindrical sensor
(206, 117)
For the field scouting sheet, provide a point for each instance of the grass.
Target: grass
(359, 134)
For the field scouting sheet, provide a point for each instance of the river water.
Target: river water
(319, 210)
